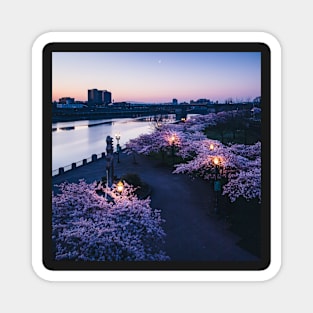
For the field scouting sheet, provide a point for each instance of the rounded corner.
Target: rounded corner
(42, 41)
(41, 271)
(270, 41)
(271, 271)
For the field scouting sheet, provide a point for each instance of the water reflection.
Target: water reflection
(75, 141)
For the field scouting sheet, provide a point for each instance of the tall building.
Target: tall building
(99, 97)
(66, 100)
(94, 97)
(106, 97)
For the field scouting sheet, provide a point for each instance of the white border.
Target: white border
(37, 182)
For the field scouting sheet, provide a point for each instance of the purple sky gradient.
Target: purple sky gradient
(157, 76)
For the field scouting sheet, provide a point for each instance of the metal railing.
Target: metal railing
(77, 164)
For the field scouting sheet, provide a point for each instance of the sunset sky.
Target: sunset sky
(157, 76)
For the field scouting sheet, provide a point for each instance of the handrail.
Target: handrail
(79, 163)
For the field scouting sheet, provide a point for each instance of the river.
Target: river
(75, 141)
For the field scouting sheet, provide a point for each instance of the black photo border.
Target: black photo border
(47, 257)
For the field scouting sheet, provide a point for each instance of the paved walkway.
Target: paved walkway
(192, 234)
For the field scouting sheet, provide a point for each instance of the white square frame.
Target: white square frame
(137, 275)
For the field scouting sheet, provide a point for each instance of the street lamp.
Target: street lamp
(216, 162)
(120, 187)
(217, 184)
(172, 140)
(211, 147)
(118, 147)
(107, 184)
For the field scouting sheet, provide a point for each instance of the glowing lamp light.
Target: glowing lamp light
(211, 146)
(216, 161)
(120, 186)
(172, 139)
(117, 137)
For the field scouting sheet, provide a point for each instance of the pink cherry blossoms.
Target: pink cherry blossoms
(239, 164)
(87, 227)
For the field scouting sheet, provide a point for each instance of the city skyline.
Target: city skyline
(157, 76)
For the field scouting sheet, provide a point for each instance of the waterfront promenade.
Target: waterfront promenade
(192, 233)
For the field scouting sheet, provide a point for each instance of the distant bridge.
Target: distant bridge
(135, 110)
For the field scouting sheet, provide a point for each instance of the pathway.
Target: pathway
(192, 234)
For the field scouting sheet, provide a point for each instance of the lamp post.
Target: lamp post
(109, 163)
(107, 184)
(217, 184)
(172, 140)
(118, 137)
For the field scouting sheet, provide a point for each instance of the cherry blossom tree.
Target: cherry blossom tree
(245, 179)
(87, 227)
(239, 164)
(246, 183)
(158, 141)
(191, 130)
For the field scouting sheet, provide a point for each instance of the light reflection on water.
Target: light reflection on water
(75, 141)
